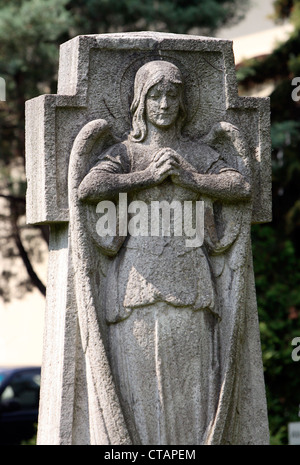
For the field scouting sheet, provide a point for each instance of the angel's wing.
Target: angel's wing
(107, 424)
(223, 221)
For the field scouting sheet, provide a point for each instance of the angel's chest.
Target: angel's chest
(142, 157)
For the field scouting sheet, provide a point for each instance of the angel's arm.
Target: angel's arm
(220, 181)
(100, 185)
(112, 175)
(227, 185)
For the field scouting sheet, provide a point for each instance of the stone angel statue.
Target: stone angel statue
(168, 327)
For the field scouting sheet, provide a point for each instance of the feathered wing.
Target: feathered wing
(107, 424)
(241, 415)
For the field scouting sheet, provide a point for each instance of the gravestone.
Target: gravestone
(149, 169)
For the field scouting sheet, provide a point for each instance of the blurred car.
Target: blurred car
(19, 403)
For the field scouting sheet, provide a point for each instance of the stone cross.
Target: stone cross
(149, 169)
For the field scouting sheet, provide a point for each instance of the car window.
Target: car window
(24, 388)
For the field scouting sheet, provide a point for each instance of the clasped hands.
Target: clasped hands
(166, 162)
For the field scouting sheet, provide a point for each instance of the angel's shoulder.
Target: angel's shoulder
(199, 154)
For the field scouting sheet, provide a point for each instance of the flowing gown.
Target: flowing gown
(163, 316)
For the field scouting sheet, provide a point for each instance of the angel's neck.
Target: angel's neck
(158, 138)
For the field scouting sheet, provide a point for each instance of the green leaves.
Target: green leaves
(277, 274)
(29, 31)
(178, 16)
(285, 133)
(32, 21)
(276, 246)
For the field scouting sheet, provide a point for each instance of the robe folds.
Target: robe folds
(169, 334)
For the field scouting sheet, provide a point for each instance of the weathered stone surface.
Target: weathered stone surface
(150, 339)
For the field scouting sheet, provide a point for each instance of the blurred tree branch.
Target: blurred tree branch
(30, 34)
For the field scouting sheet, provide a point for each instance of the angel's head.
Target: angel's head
(158, 98)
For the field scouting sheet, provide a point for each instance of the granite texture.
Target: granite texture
(150, 339)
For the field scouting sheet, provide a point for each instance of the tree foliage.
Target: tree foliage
(30, 34)
(178, 16)
(29, 31)
(276, 246)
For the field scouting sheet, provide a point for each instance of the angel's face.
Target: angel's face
(162, 104)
